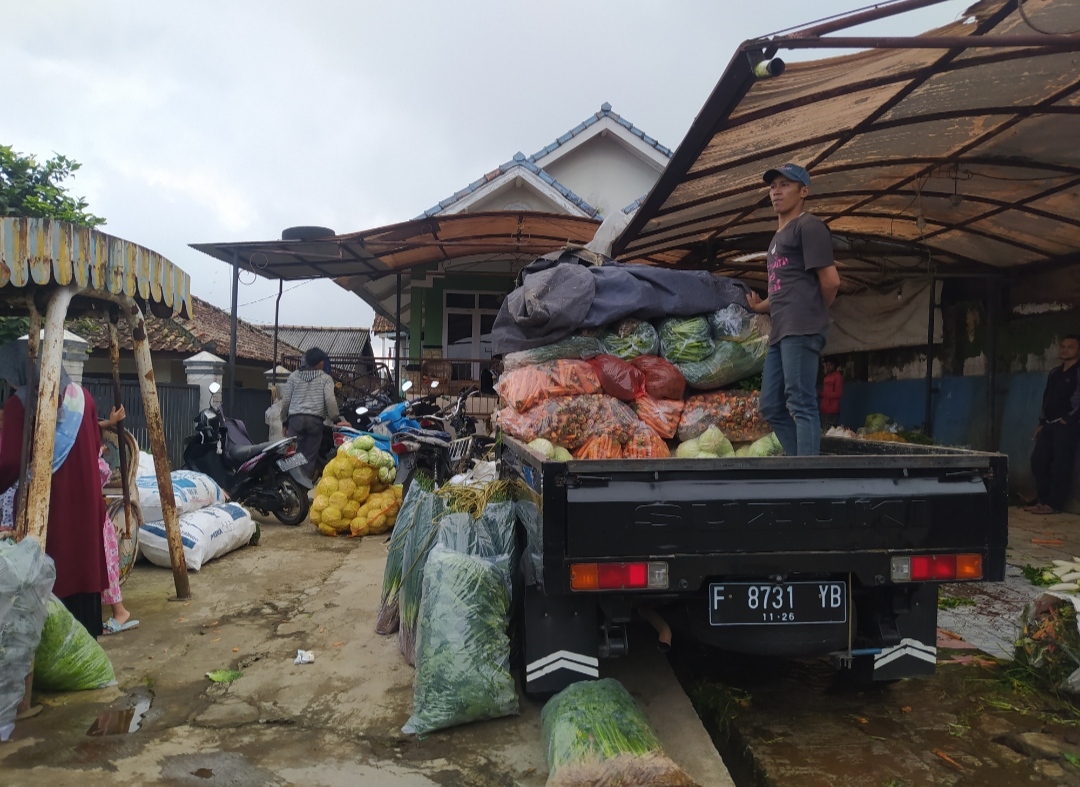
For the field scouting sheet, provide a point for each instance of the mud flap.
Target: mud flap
(560, 642)
(915, 652)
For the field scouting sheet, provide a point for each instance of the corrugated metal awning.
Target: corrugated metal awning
(39, 252)
(948, 152)
(367, 262)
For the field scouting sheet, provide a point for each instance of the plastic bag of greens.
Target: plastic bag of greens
(68, 658)
(582, 346)
(727, 364)
(420, 504)
(735, 413)
(27, 575)
(629, 338)
(735, 323)
(420, 539)
(685, 339)
(527, 386)
(462, 651)
(497, 520)
(529, 514)
(596, 734)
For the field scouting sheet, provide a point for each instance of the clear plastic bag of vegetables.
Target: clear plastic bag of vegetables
(463, 651)
(420, 505)
(685, 339)
(595, 733)
(735, 323)
(629, 338)
(644, 443)
(68, 658)
(580, 346)
(419, 541)
(735, 413)
(601, 446)
(663, 415)
(527, 386)
(727, 364)
(570, 421)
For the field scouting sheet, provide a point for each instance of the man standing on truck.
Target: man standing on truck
(1058, 432)
(803, 282)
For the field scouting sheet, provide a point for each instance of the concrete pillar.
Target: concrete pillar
(203, 369)
(76, 351)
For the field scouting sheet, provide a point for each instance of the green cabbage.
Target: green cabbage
(712, 441)
(876, 422)
(543, 447)
(364, 442)
(561, 455)
(766, 446)
(688, 449)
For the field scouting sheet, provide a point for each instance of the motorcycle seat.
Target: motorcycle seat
(241, 453)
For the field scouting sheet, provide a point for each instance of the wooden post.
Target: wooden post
(141, 346)
(33, 342)
(121, 444)
(48, 397)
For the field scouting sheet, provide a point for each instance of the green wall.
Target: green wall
(426, 318)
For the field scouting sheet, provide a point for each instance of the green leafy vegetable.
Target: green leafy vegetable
(596, 734)
(463, 652)
(1040, 577)
(419, 503)
(952, 602)
(224, 675)
(68, 658)
(629, 338)
(685, 339)
(729, 363)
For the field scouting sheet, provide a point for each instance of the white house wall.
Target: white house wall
(513, 198)
(605, 174)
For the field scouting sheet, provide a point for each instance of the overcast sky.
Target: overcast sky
(231, 120)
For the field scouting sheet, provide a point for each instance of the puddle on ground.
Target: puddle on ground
(121, 721)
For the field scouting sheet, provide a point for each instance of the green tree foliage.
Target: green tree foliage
(32, 189)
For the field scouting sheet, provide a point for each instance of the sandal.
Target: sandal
(110, 626)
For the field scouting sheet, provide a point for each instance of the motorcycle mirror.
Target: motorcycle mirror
(434, 383)
(405, 386)
(361, 411)
(214, 387)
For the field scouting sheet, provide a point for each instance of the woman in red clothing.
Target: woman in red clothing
(832, 390)
(75, 539)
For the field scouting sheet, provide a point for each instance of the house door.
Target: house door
(469, 317)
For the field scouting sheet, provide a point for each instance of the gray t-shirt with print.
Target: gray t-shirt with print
(795, 301)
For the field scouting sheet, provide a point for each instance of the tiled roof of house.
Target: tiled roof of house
(209, 329)
(382, 325)
(522, 161)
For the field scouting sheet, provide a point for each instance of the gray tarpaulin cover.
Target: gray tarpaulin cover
(564, 292)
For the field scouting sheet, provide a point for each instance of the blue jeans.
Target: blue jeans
(789, 393)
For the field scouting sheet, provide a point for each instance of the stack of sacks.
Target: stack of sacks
(209, 526)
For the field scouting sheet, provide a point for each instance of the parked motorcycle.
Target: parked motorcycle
(268, 477)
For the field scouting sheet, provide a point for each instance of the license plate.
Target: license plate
(289, 463)
(772, 604)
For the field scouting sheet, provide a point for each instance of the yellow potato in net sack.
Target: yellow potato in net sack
(331, 515)
(348, 511)
(378, 524)
(320, 502)
(377, 485)
(338, 499)
(343, 467)
(342, 526)
(399, 491)
(356, 525)
(326, 530)
(361, 493)
(316, 517)
(327, 485)
(346, 486)
(363, 475)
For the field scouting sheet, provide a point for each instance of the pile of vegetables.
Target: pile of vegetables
(527, 386)
(685, 339)
(1062, 576)
(421, 508)
(627, 339)
(570, 421)
(768, 445)
(710, 444)
(582, 346)
(727, 364)
(463, 651)
(735, 413)
(355, 494)
(595, 734)
(1049, 643)
(68, 658)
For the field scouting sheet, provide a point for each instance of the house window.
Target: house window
(468, 318)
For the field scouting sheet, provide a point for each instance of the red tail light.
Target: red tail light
(399, 448)
(936, 568)
(618, 576)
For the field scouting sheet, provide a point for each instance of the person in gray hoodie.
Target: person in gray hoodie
(307, 402)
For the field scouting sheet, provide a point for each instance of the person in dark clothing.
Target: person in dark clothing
(1058, 433)
(308, 401)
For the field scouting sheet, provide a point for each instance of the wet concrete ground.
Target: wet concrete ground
(796, 724)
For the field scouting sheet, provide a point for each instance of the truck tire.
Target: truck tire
(307, 233)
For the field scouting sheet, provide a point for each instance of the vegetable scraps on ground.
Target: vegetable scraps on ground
(1049, 643)
(595, 733)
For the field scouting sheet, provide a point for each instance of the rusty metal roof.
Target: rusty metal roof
(949, 151)
(367, 262)
(45, 251)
